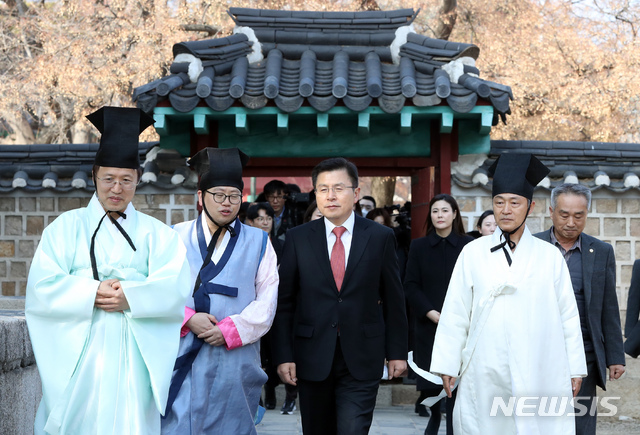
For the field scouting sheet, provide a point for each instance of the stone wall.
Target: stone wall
(613, 218)
(23, 216)
(20, 388)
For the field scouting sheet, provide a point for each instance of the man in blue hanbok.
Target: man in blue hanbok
(105, 300)
(217, 379)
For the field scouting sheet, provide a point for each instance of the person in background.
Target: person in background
(632, 325)
(218, 378)
(105, 299)
(340, 308)
(260, 215)
(592, 265)
(485, 226)
(367, 203)
(381, 216)
(429, 267)
(276, 193)
(312, 213)
(242, 214)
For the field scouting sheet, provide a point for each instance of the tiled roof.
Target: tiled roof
(615, 166)
(323, 59)
(64, 168)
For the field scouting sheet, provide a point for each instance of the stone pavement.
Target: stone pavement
(387, 420)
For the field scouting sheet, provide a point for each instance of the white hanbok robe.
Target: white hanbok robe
(510, 331)
(105, 372)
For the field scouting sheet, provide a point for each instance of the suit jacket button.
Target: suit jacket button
(334, 324)
(339, 299)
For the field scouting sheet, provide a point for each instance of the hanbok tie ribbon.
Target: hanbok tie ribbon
(92, 249)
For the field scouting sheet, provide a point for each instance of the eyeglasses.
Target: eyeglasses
(337, 189)
(219, 197)
(126, 184)
(274, 197)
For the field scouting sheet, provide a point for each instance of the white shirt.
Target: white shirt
(346, 236)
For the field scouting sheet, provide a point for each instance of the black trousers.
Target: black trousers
(586, 424)
(339, 405)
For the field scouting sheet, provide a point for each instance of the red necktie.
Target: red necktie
(337, 257)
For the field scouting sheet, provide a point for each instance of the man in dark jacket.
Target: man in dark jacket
(592, 267)
(341, 310)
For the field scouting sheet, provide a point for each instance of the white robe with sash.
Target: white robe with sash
(105, 372)
(512, 331)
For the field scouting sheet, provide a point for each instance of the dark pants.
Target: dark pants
(586, 424)
(434, 421)
(339, 405)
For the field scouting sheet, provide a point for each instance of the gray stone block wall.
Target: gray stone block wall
(20, 388)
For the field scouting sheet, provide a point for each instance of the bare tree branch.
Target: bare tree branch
(446, 19)
(212, 31)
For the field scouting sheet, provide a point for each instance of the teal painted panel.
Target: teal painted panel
(469, 141)
(179, 137)
(342, 138)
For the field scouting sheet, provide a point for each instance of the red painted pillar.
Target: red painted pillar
(422, 190)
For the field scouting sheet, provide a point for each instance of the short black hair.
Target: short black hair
(335, 164)
(252, 211)
(369, 198)
(274, 186)
(482, 217)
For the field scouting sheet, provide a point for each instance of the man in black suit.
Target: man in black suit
(341, 309)
(592, 267)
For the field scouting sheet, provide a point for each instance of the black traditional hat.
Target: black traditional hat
(120, 128)
(517, 173)
(219, 167)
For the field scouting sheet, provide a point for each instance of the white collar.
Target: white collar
(348, 224)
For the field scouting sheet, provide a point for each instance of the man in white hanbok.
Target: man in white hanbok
(509, 328)
(105, 300)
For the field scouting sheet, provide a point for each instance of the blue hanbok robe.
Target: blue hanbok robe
(105, 372)
(222, 387)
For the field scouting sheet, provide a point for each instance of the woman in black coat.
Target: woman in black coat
(429, 267)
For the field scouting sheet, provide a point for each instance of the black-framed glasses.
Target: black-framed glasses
(219, 197)
(274, 197)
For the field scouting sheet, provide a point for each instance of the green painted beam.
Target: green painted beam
(283, 124)
(322, 121)
(200, 123)
(242, 124)
(364, 124)
(446, 123)
(485, 123)
(338, 110)
(405, 123)
(161, 124)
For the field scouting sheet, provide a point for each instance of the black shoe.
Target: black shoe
(270, 398)
(288, 407)
(422, 410)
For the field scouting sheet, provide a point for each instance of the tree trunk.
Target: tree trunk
(382, 189)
